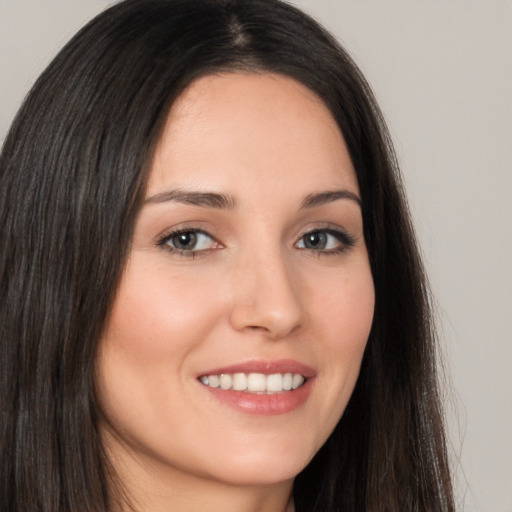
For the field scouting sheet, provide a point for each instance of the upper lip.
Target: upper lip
(266, 367)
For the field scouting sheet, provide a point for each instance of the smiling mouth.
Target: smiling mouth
(256, 383)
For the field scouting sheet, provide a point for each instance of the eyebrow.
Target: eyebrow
(205, 199)
(321, 198)
(227, 202)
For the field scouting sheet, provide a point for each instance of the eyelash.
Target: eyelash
(163, 242)
(346, 241)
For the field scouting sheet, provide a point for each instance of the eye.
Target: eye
(188, 241)
(325, 240)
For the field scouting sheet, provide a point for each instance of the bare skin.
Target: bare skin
(248, 253)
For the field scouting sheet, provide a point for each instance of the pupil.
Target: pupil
(315, 241)
(185, 241)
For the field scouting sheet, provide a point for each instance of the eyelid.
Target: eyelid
(346, 240)
(175, 231)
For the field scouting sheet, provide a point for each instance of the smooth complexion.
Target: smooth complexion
(248, 254)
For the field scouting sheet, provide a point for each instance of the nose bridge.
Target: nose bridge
(266, 298)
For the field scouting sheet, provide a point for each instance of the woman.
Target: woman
(211, 292)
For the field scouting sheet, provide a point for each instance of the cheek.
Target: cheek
(156, 312)
(353, 312)
(344, 308)
(345, 315)
(352, 315)
(144, 350)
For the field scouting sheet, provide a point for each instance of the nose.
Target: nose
(266, 297)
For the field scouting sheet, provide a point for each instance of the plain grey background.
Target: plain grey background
(442, 71)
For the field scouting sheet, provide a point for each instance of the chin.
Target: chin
(259, 468)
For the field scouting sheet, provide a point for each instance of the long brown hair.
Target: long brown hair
(72, 176)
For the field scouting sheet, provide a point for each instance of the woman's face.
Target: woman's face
(248, 268)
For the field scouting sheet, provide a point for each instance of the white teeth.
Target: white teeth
(226, 381)
(287, 381)
(275, 383)
(239, 382)
(297, 381)
(214, 381)
(254, 382)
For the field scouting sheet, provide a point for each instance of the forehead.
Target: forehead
(251, 129)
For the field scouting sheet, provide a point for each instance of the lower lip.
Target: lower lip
(262, 404)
